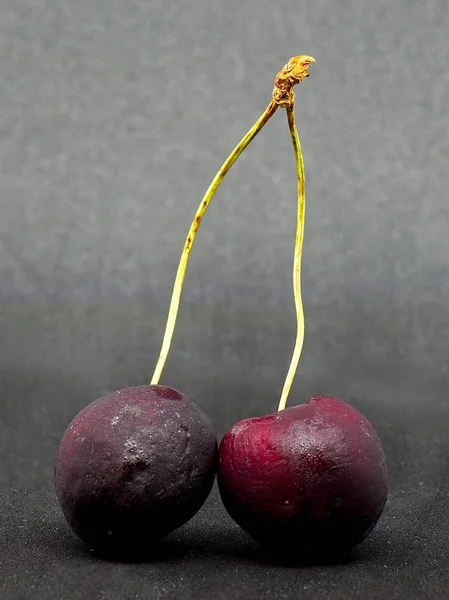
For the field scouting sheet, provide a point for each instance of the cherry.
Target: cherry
(140, 462)
(308, 480)
(133, 466)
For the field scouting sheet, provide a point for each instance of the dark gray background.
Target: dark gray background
(114, 117)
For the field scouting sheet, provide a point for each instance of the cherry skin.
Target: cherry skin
(306, 481)
(133, 466)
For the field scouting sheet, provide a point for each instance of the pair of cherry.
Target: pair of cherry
(140, 462)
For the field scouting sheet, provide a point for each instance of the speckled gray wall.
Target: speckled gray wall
(115, 115)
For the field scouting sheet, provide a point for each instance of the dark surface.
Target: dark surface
(114, 116)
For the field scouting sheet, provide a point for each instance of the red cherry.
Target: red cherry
(307, 480)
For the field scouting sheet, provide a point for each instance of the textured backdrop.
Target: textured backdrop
(114, 117)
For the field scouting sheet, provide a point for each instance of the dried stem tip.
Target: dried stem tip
(291, 74)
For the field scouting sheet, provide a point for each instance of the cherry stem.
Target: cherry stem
(182, 268)
(297, 256)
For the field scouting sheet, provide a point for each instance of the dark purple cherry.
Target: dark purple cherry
(133, 466)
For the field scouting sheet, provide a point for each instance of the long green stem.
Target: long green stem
(297, 257)
(180, 274)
